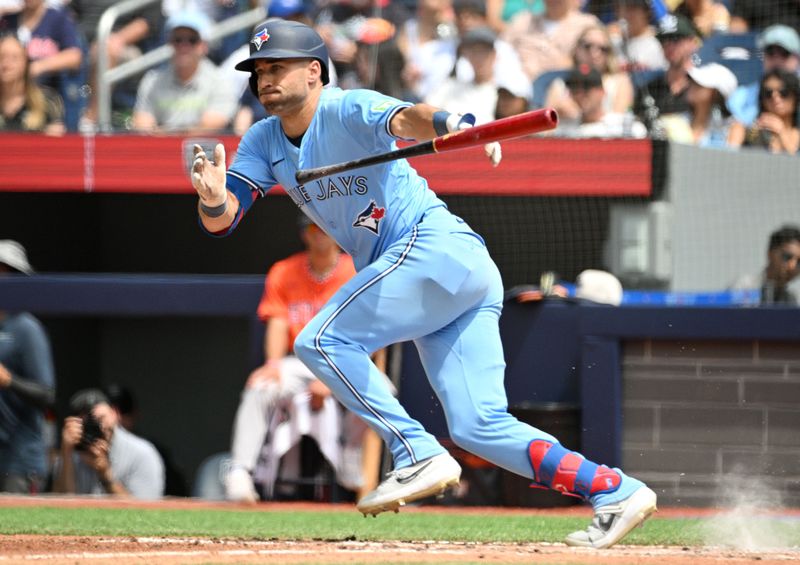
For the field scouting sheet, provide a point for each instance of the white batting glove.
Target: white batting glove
(457, 122)
(494, 152)
(208, 178)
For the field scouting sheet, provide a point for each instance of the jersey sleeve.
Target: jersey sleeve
(274, 302)
(366, 115)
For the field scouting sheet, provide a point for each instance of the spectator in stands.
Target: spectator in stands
(379, 66)
(51, 39)
(585, 86)
(428, 41)
(27, 388)
(188, 95)
(757, 15)
(780, 45)
(594, 50)
(215, 11)
(295, 290)
(341, 25)
(99, 456)
(783, 266)
(708, 16)
(777, 127)
(479, 95)
(132, 35)
(545, 42)
(122, 399)
(24, 105)
(471, 14)
(666, 94)
(708, 120)
(513, 95)
(500, 12)
(634, 38)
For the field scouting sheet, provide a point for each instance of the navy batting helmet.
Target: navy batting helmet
(284, 39)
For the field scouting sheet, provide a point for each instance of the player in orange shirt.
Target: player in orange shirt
(295, 290)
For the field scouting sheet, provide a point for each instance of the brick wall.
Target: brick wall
(701, 415)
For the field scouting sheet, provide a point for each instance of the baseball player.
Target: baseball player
(422, 274)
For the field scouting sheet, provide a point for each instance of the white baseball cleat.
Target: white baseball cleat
(432, 476)
(239, 486)
(612, 522)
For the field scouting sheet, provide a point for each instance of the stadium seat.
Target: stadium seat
(737, 51)
(640, 78)
(542, 83)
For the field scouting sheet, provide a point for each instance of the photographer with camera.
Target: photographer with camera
(98, 456)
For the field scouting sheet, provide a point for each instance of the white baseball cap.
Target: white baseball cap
(781, 35)
(599, 286)
(13, 255)
(191, 19)
(514, 82)
(714, 75)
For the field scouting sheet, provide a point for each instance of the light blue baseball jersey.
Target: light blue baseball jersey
(364, 210)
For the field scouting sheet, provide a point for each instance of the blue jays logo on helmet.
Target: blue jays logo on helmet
(260, 38)
(370, 218)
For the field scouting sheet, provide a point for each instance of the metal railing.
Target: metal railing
(106, 77)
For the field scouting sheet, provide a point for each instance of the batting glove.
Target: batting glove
(457, 122)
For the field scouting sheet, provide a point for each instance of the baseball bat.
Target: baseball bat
(526, 123)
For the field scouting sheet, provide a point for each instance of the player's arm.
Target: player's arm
(423, 122)
(218, 207)
(414, 122)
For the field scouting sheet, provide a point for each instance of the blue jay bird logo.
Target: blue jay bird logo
(370, 218)
(260, 38)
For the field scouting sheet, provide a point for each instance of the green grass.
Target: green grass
(408, 526)
(304, 525)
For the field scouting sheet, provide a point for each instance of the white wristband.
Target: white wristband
(457, 122)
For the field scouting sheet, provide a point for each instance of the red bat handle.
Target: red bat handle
(527, 123)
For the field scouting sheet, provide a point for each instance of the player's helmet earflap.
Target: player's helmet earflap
(284, 39)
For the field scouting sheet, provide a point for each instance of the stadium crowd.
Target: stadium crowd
(712, 73)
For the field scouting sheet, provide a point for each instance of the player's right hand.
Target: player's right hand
(266, 373)
(458, 122)
(208, 178)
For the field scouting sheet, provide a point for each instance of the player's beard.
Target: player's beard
(283, 104)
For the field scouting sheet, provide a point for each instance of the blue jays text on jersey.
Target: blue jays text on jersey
(328, 188)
